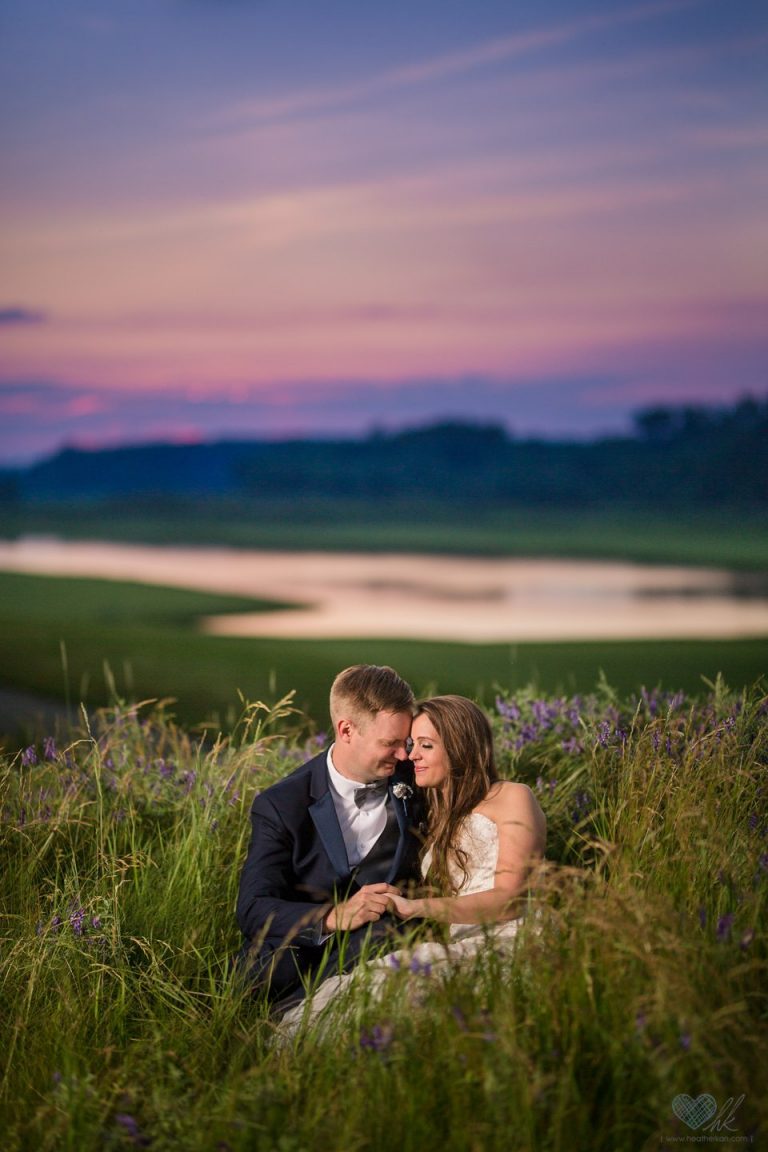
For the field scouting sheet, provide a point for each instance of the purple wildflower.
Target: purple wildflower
(651, 701)
(56, 923)
(76, 921)
(508, 709)
(419, 967)
(49, 748)
(572, 746)
(29, 757)
(131, 1128)
(573, 713)
(378, 1039)
(528, 733)
(703, 916)
(96, 921)
(394, 962)
(724, 925)
(542, 714)
(581, 807)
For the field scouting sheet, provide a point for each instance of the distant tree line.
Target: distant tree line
(676, 456)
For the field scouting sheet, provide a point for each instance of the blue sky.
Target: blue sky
(269, 217)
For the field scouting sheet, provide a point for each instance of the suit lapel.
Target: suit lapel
(403, 824)
(323, 814)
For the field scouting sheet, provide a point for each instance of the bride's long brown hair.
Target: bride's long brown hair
(467, 738)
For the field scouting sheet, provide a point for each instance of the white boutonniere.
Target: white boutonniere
(402, 791)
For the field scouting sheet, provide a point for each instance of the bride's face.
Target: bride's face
(430, 763)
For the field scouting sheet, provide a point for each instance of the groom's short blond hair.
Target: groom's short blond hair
(359, 693)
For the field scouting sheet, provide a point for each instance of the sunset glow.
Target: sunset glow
(267, 219)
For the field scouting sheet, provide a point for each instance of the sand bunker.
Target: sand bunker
(353, 595)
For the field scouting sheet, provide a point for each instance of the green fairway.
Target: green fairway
(72, 639)
(721, 538)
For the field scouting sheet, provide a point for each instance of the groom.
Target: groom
(331, 842)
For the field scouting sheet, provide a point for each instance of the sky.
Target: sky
(271, 218)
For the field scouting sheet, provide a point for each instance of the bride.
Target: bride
(485, 835)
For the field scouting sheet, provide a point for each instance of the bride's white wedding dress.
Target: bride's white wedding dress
(479, 838)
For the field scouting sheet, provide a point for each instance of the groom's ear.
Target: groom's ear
(344, 730)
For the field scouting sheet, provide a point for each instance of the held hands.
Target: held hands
(406, 909)
(369, 904)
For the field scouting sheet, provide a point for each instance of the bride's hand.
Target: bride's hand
(404, 908)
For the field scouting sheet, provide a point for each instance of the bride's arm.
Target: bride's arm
(522, 833)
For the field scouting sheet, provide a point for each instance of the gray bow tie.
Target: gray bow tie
(370, 794)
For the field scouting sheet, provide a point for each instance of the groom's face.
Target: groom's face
(374, 746)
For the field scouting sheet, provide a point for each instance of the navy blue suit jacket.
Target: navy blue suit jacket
(297, 862)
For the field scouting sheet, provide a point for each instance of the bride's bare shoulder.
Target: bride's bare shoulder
(508, 793)
(510, 802)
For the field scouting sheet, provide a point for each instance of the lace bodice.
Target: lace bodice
(479, 838)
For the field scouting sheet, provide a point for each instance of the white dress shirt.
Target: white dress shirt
(360, 827)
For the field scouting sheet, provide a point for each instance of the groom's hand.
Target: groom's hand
(370, 903)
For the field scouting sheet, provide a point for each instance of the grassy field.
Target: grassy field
(91, 641)
(638, 992)
(722, 537)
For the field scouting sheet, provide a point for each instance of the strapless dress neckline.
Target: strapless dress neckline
(478, 839)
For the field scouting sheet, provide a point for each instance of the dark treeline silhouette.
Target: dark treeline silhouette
(690, 456)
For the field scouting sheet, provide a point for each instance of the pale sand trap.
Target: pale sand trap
(352, 595)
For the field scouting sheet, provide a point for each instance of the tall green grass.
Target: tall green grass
(644, 978)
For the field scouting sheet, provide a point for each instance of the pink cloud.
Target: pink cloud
(85, 405)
